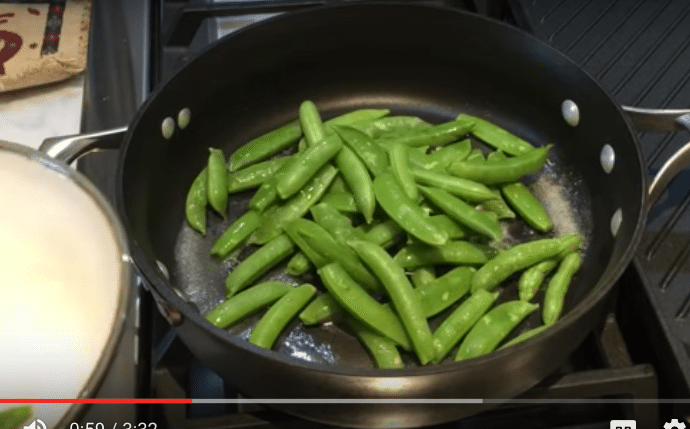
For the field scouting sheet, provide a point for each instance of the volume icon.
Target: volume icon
(36, 424)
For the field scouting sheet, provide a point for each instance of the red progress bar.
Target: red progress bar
(96, 401)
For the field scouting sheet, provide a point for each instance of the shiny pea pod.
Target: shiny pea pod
(503, 171)
(312, 256)
(383, 351)
(523, 336)
(463, 213)
(279, 315)
(359, 304)
(305, 165)
(197, 199)
(357, 178)
(255, 175)
(454, 252)
(259, 263)
(454, 230)
(520, 257)
(443, 156)
(460, 321)
(466, 189)
(445, 290)
(495, 136)
(295, 207)
(311, 122)
(235, 234)
(558, 287)
(217, 182)
(528, 206)
(493, 327)
(341, 201)
(335, 223)
(423, 276)
(405, 211)
(385, 234)
(436, 135)
(265, 145)
(264, 197)
(533, 277)
(400, 168)
(379, 127)
(357, 117)
(247, 302)
(373, 156)
(497, 206)
(406, 302)
(475, 156)
(322, 308)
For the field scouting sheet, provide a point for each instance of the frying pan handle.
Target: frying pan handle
(660, 120)
(69, 148)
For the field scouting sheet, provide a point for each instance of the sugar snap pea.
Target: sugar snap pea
(422, 276)
(259, 263)
(217, 181)
(358, 303)
(476, 156)
(255, 175)
(447, 224)
(195, 205)
(463, 213)
(495, 136)
(519, 257)
(407, 304)
(305, 165)
(390, 124)
(454, 252)
(264, 197)
(493, 327)
(265, 145)
(558, 287)
(341, 201)
(528, 206)
(497, 206)
(400, 168)
(322, 308)
(373, 156)
(245, 303)
(503, 171)
(466, 189)
(405, 211)
(357, 177)
(459, 322)
(382, 350)
(445, 290)
(335, 223)
(436, 135)
(523, 336)
(533, 277)
(357, 117)
(279, 315)
(385, 234)
(311, 122)
(452, 152)
(235, 234)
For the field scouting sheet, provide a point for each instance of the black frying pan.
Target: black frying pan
(425, 61)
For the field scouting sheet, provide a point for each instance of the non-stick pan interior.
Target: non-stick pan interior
(426, 62)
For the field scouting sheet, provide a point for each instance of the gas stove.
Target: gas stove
(636, 365)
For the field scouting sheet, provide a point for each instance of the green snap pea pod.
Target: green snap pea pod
(247, 302)
(339, 185)
(558, 287)
(571, 243)
(405, 211)
(265, 145)
(445, 290)
(466, 189)
(400, 168)
(265, 196)
(295, 207)
(406, 302)
(298, 265)
(518, 258)
(533, 277)
(528, 206)
(312, 125)
(305, 165)
(217, 181)
(495, 136)
(447, 154)
(496, 155)
(458, 323)
(235, 234)
(497, 206)
(390, 124)
(357, 117)
(463, 213)
(493, 327)
(436, 135)
(454, 230)
(454, 252)
(503, 171)
(359, 304)
(15, 416)
(382, 350)
(341, 201)
(321, 309)
(373, 156)
(197, 198)
(385, 234)
(254, 175)
(335, 223)
(476, 156)
(259, 263)
(357, 177)
(279, 315)
(423, 276)
(523, 336)
(332, 251)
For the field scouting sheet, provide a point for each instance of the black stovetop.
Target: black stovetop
(640, 52)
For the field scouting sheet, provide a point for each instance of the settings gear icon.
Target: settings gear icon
(674, 424)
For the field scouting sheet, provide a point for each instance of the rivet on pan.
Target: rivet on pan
(607, 158)
(570, 112)
(616, 220)
(163, 268)
(183, 118)
(168, 127)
